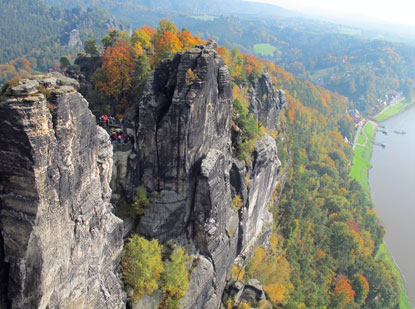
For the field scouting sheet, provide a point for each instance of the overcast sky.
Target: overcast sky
(394, 11)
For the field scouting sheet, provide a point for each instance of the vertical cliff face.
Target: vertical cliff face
(61, 242)
(184, 159)
(185, 113)
(265, 104)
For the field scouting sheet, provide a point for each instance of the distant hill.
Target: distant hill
(40, 33)
(213, 7)
(330, 55)
(345, 59)
(340, 58)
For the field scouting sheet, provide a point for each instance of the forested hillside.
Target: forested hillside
(325, 231)
(214, 7)
(37, 35)
(358, 64)
(360, 69)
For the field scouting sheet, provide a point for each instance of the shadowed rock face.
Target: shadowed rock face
(183, 154)
(179, 120)
(61, 242)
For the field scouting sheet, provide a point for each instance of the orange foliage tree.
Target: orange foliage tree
(343, 290)
(117, 66)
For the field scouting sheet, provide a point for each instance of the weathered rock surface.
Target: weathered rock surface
(265, 103)
(61, 242)
(182, 153)
(178, 123)
(113, 23)
(251, 293)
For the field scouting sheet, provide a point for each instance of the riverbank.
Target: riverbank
(393, 110)
(384, 255)
(360, 172)
(362, 155)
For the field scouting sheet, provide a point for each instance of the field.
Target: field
(387, 113)
(203, 17)
(264, 49)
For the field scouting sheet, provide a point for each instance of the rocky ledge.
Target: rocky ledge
(60, 243)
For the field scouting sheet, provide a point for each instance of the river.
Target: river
(392, 185)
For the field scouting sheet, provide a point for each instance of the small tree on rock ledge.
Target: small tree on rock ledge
(142, 266)
(140, 200)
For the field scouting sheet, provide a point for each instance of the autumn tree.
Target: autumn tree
(117, 67)
(187, 40)
(141, 39)
(166, 45)
(166, 25)
(141, 266)
(343, 291)
(175, 277)
(276, 293)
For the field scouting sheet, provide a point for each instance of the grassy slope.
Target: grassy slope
(360, 172)
(393, 110)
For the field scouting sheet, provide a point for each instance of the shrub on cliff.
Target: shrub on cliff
(175, 277)
(140, 201)
(244, 131)
(141, 266)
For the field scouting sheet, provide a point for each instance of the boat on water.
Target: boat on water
(400, 132)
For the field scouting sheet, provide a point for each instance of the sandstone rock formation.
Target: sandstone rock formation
(265, 103)
(74, 39)
(60, 243)
(182, 155)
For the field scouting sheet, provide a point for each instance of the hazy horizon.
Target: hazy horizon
(400, 12)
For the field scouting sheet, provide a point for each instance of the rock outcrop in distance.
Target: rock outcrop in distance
(60, 242)
(182, 155)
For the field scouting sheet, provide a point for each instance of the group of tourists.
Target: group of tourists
(107, 119)
(119, 137)
(114, 128)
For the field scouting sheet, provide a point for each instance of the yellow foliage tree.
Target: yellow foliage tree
(141, 266)
(275, 293)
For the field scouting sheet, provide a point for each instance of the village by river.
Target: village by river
(392, 185)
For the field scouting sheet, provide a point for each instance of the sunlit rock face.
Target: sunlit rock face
(60, 242)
